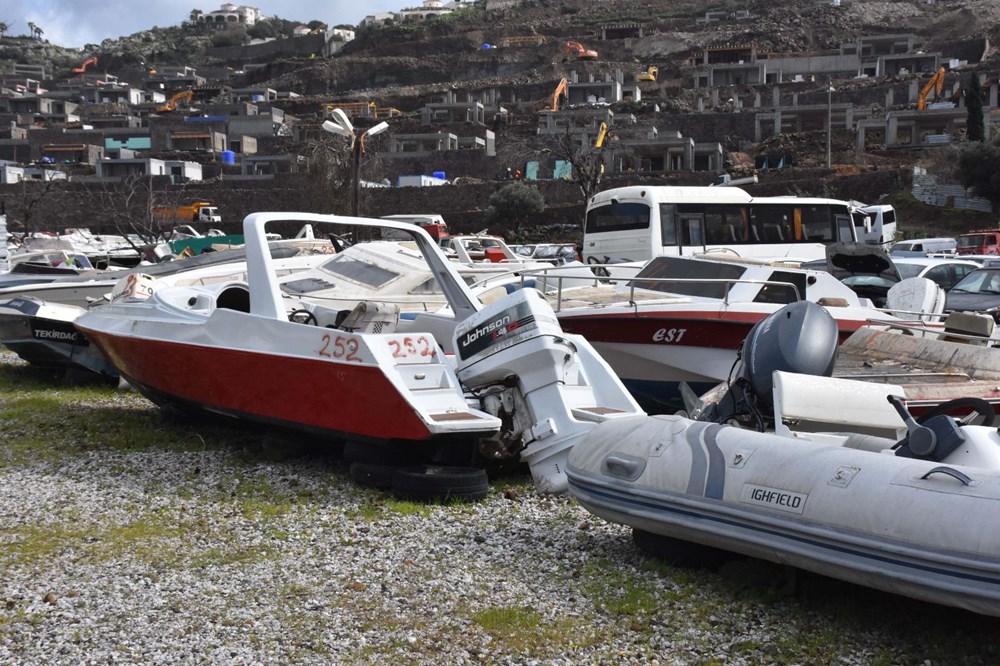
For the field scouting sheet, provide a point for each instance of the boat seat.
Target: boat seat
(811, 404)
(372, 317)
(969, 326)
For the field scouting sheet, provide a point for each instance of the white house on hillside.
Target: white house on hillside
(227, 15)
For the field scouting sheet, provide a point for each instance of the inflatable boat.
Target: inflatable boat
(826, 474)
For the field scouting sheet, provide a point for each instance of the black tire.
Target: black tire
(372, 476)
(435, 482)
(681, 553)
(371, 453)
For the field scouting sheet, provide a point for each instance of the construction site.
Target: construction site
(837, 99)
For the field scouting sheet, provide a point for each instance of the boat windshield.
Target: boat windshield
(359, 271)
(671, 274)
(680, 275)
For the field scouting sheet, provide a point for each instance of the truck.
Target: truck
(429, 222)
(199, 211)
(979, 241)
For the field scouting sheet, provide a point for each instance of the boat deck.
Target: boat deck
(925, 367)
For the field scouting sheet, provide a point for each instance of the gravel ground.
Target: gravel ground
(203, 546)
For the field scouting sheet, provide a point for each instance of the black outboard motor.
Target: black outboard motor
(800, 337)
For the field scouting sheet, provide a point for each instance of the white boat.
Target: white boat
(847, 484)
(517, 386)
(103, 250)
(83, 288)
(682, 319)
(396, 273)
(43, 334)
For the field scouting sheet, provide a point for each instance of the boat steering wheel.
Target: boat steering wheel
(978, 407)
(303, 317)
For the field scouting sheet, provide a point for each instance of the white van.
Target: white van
(921, 247)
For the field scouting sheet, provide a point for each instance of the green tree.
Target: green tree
(513, 204)
(974, 103)
(979, 169)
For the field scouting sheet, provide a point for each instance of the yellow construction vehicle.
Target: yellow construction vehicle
(525, 40)
(649, 75)
(353, 109)
(602, 135)
(936, 83)
(183, 96)
(562, 90)
(580, 51)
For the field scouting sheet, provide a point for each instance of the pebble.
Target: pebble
(127, 557)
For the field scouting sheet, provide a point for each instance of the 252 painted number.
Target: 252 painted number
(669, 335)
(340, 348)
(419, 346)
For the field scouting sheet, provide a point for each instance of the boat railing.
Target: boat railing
(728, 283)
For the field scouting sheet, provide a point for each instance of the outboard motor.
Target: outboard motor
(800, 337)
(549, 388)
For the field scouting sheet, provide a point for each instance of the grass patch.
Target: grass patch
(618, 592)
(520, 629)
(152, 538)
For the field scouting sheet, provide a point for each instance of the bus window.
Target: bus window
(618, 217)
(816, 225)
(772, 223)
(668, 226)
(845, 229)
(691, 227)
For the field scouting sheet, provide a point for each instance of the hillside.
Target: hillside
(408, 65)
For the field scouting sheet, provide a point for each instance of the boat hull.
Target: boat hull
(653, 351)
(865, 517)
(43, 335)
(278, 373)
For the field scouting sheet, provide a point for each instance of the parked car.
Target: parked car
(921, 247)
(870, 272)
(945, 272)
(979, 291)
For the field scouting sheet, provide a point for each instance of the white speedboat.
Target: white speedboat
(682, 319)
(516, 386)
(43, 334)
(84, 288)
(847, 484)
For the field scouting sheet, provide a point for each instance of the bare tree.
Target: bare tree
(128, 206)
(31, 203)
(573, 146)
(4, 27)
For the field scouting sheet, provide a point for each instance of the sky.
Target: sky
(74, 23)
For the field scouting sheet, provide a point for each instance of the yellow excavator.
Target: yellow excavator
(602, 135)
(936, 83)
(562, 90)
(649, 74)
(183, 96)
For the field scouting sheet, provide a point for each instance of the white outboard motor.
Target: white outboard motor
(801, 337)
(549, 388)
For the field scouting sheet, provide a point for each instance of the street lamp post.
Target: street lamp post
(342, 126)
(829, 118)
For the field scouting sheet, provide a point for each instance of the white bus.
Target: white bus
(637, 223)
